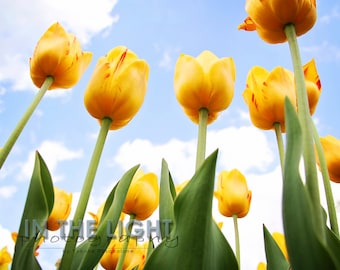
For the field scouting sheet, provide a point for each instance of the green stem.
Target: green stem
(7, 147)
(202, 136)
(305, 122)
(126, 244)
(84, 195)
(326, 182)
(237, 241)
(279, 140)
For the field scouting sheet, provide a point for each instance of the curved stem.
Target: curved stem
(84, 196)
(202, 136)
(7, 147)
(326, 182)
(126, 244)
(237, 241)
(305, 122)
(279, 140)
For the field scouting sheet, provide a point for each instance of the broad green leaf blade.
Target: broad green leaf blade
(195, 242)
(333, 246)
(305, 250)
(275, 258)
(167, 194)
(88, 254)
(38, 206)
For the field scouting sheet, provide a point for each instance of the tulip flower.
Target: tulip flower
(99, 213)
(110, 258)
(331, 148)
(261, 266)
(38, 241)
(143, 195)
(5, 258)
(61, 209)
(58, 54)
(117, 87)
(180, 186)
(266, 91)
(232, 193)
(281, 242)
(204, 82)
(270, 17)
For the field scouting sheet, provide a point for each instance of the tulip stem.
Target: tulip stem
(326, 182)
(202, 136)
(307, 134)
(237, 241)
(279, 140)
(7, 147)
(84, 196)
(126, 244)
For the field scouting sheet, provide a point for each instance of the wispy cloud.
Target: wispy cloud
(324, 52)
(327, 18)
(52, 152)
(245, 148)
(7, 191)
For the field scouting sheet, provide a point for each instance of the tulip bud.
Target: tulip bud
(58, 54)
(204, 82)
(331, 148)
(61, 209)
(266, 91)
(232, 193)
(269, 18)
(117, 87)
(143, 196)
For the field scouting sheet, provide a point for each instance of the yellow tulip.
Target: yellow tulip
(38, 241)
(117, 87)
(232, 193)
(204, 82)
(61, 209)
(266, 91)
(281, 242)
(270, 17)
(261, 266)
(143, 195)
(5, 258)
(180, 186)
(99, 213)
(110, 258)
(331, 148)
(58, 54)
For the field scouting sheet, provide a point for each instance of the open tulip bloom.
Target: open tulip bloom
(188, 235)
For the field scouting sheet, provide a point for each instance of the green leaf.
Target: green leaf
(195, 242)
(167, 195)
(275, 258)
(38, 206)
(333, 246)
(306, 252)
(88, 254)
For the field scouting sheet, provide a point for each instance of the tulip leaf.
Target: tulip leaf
(88, 254)
(305, 249)
(275, 258)
(333, 244)
(38, 206)
(167, 194)
(195, 242)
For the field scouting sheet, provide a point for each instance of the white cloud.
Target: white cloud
(25, 21)
(327, 18)
(245, 148)
(52, 152)
(7, 191)
(324, 52)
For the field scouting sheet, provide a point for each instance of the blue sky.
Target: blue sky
(157, 31)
